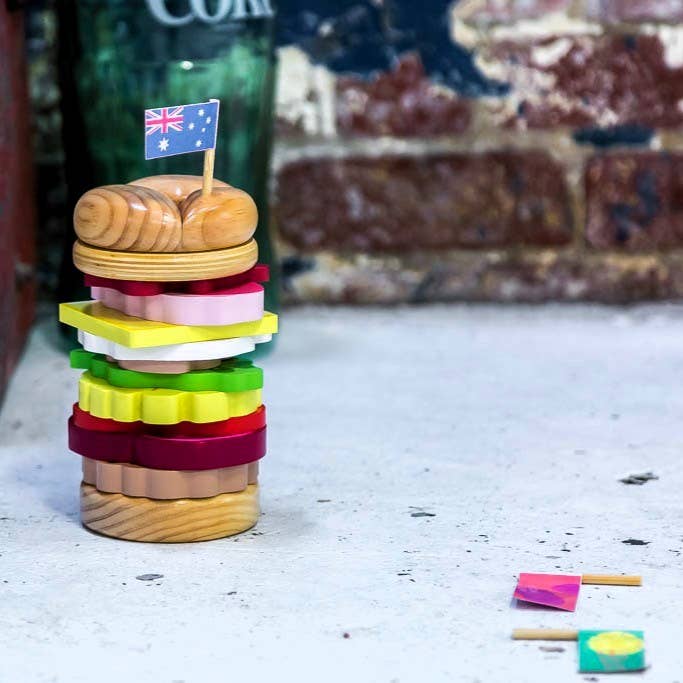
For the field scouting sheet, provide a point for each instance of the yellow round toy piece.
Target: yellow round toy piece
(162, 406)
(169, 521)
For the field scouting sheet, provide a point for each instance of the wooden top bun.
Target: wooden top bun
(225, 218)
(175, 187)
(165, 214)
(128, 218)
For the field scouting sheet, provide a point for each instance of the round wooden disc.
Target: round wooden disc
(181, 267)
(130, 480)
(169, 521)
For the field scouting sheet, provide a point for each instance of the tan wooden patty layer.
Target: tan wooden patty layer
(169, 521)
(166, 367)
(142, 482)
(199, 265)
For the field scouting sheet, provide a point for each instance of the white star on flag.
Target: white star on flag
(191, 126)
(201, 112)
(198, 143)
(163, 144)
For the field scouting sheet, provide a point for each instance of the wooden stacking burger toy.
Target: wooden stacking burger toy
(169, 422)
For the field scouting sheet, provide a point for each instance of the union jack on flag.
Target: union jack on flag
(181, 129)
(163, 119)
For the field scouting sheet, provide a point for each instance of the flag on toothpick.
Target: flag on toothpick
(181, 129)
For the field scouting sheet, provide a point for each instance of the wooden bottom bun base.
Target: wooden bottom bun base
(169, 521)
(174, 267)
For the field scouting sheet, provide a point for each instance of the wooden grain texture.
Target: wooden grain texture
(122, 265)
(175, 187)
(224, 218)
(164, 214)
(128, 218)
(169, 521)
(209, 163)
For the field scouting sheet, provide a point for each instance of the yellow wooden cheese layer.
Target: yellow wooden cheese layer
(162, 406)
(136, 333)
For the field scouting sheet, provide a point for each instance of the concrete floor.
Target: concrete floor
(510, 426)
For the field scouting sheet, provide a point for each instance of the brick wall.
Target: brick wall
(558, 177)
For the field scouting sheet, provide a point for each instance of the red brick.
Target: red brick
(635, 201)
(636, 10)
(401, 204)
(605, 81)
(402, 102)
(487, 11)
(284, 129)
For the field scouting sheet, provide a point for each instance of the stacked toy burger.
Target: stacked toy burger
(169, 422)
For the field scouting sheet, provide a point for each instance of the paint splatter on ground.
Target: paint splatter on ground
(639, 479)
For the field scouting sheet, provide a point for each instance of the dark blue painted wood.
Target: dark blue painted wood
(363, 37)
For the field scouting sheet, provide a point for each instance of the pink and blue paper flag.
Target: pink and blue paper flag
(181, 129)
(611, 651)
(552, 590)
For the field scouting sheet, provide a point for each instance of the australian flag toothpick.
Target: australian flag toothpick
(180, 129)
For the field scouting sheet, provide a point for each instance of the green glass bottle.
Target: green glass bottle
(118, 58)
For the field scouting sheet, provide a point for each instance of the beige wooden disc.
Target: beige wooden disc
(166, 367)
(169, 521)
(181, 267)
(143, 482)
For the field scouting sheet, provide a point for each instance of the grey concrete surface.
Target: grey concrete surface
(510, 426)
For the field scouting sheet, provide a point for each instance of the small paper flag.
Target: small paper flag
(180, 129)
(552, 590)
(611, 651)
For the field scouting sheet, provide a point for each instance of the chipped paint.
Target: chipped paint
(672, 40)
(552, 24)
(547, 54)
(305, 93)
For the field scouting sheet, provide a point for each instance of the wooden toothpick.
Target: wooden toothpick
(207, 182)
(544, 634)
(210, 158)
(612, 580)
